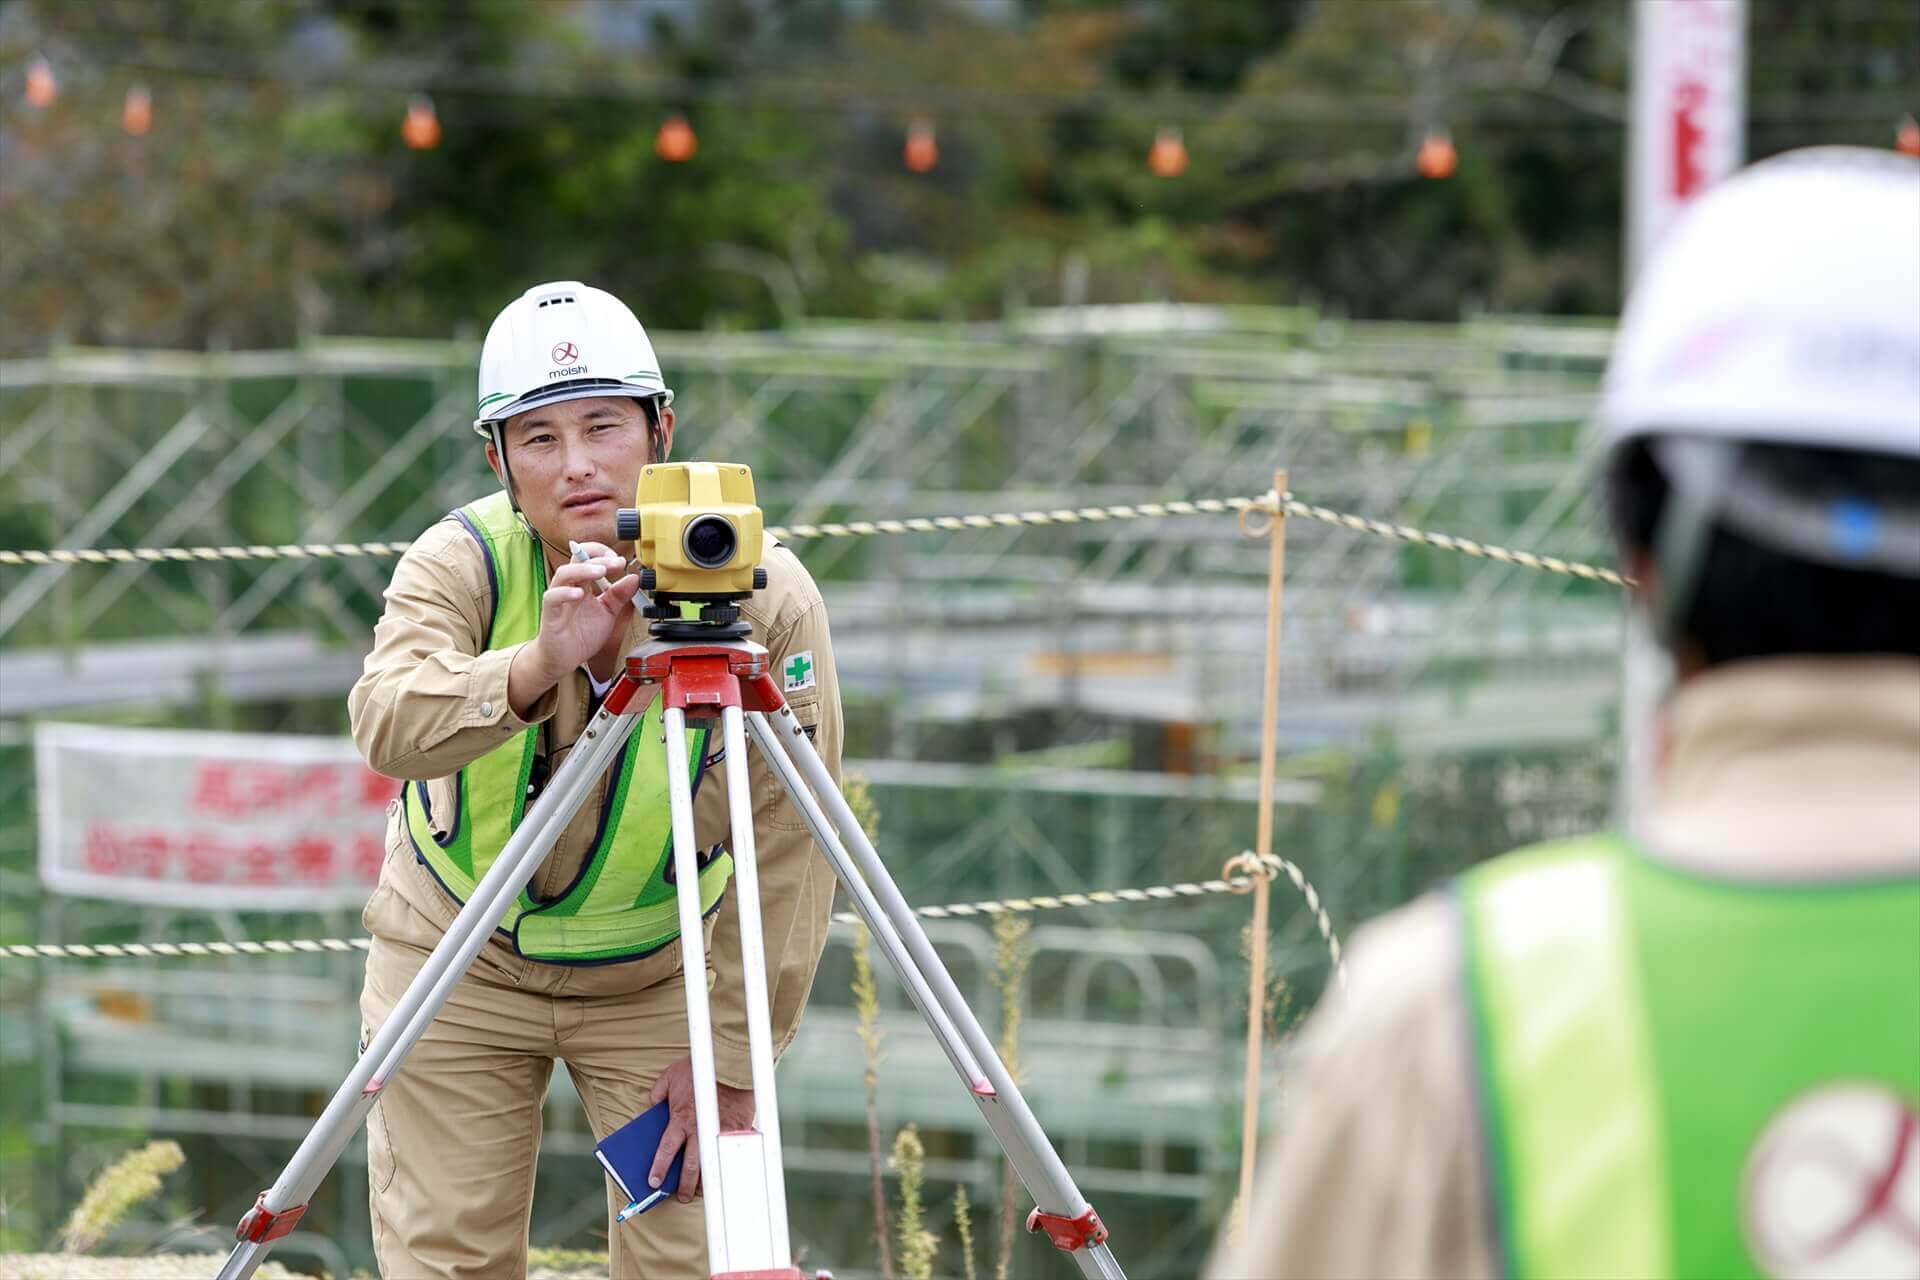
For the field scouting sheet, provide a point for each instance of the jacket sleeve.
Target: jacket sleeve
(1376, 1170)
(796, 884)
(429, 700)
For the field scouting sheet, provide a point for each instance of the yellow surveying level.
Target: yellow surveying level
(697, 530)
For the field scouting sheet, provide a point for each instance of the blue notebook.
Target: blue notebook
(628, 1154)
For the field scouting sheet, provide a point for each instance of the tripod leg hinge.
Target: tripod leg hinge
(760, 693)
(262, 1223)
(1069, 1233)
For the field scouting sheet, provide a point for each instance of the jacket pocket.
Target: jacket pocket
(783, 814)
(380, 1161)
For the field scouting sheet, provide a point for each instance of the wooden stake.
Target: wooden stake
(1263, 845)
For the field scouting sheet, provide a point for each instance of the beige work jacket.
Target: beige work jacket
(1783, 770)
(430, 701)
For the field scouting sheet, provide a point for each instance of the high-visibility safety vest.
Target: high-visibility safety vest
(622, 903)
(1685, 1076)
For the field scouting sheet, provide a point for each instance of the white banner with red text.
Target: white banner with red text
(186, 818)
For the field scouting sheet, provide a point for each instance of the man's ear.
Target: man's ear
(666, 434)
(493, 461)
(1639, 566)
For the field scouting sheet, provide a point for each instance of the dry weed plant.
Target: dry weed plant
(115, 1190)
(963, 1228)
(866, 1004)
(1012, 958)
(917, 1244)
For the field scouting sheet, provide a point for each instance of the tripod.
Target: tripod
(707, 671)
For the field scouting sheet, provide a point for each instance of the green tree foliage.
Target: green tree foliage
(274, 193)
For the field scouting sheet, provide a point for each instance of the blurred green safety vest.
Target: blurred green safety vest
(622, 903)
(1671, 1065)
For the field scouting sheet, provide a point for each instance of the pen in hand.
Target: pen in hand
(580, 556)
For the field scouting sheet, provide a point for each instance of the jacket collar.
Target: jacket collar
(1791, 768)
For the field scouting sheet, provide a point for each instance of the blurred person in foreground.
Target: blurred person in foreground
(494, 651)
(1693, 1049)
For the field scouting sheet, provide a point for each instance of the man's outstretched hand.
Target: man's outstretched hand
(576, 625)
(675, 1087)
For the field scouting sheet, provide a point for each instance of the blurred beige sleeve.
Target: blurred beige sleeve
(796, 884)
(429, 700)
(1377, 1172)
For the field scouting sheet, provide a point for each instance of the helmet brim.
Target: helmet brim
(577, 389)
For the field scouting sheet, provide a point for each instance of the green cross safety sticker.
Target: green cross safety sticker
(799, 671)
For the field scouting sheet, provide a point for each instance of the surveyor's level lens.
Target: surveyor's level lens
(710, 541)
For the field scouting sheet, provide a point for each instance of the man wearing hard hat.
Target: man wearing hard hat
(493, 652)
(1691, 1049)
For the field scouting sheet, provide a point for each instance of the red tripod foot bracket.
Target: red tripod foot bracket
(1069, 1233)
(261, 1223)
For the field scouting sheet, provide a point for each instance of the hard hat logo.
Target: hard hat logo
(565, 353)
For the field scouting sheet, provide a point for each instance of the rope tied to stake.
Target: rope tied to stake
(1244, 868)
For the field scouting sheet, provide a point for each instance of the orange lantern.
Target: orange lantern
(1437, 158)
(421, 129)
(136, 114)
(921, 152)
(675, 143)
(1168, 155)
(41, 86)
(1908, 139)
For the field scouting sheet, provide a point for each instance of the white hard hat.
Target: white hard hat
(564, 341)
(1783, 307)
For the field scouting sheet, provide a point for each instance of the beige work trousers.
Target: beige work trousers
(453, 1142)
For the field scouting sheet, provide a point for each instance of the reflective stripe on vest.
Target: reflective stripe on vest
(622, 904)
(1638, 1028)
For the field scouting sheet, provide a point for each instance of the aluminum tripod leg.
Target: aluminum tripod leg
(743, 1189)
(281, 1205)
(1063, 1213)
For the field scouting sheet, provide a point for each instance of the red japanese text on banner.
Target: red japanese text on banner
(185, 818)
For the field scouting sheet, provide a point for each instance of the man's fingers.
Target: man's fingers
(563, 595)
(659, 1090)
(690, 1174)
(670, 1142)
(622, 592)
(578, 574)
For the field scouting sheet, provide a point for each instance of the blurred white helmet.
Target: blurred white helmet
(1782, 309)
(564, 341)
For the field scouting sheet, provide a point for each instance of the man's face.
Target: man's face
(576, 463)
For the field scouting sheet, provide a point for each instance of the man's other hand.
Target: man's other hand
(675, 1086)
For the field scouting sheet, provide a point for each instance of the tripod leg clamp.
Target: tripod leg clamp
(1069, 1233)
(262, 1223)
